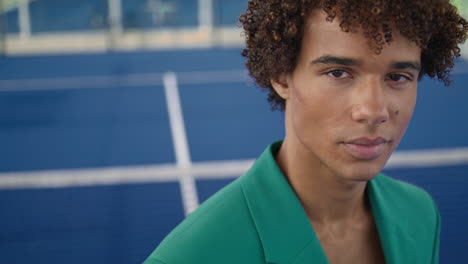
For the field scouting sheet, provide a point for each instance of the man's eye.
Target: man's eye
(399, 77)
(338, 74)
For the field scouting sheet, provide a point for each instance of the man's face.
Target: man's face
(346, 106)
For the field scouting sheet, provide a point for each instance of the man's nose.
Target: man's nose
(370, 105)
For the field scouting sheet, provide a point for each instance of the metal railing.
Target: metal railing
(36, 26)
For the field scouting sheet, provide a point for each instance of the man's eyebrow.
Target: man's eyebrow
(327, 59)
(403, 65)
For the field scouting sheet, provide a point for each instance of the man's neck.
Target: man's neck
(325, 197)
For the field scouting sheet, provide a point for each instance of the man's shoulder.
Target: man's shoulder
(408, 215)
(400, 188)
(404, 198)
(221, 228)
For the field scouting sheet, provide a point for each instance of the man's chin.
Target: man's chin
(362, 173)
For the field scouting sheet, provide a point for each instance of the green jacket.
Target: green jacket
(259, 219)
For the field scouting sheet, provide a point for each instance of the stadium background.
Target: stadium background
(117, 117)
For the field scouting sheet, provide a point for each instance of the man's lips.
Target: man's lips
(365, 148)
(368, 141)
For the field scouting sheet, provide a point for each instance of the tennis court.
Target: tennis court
(105, 148)
(89, 168)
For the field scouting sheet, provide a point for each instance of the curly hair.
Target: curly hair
(274, 29)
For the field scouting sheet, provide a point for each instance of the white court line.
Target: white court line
(84, 82)
(179, 138)
(227, 169)
(118, 81)
(428, 158)
(209, 77)
(121, 175)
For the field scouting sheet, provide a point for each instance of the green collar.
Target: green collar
(283, 226)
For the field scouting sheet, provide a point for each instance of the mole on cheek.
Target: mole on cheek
(397, 112)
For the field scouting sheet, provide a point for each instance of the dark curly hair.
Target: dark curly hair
(274, 28)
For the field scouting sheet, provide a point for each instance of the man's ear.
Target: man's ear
(281, 85)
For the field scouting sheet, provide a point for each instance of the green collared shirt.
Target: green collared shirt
(259, 219)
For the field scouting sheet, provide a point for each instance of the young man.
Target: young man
(346, 75)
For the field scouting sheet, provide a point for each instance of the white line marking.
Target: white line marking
(208, 77)
(121, 175)
(227, 169)
(85, 82)
(428, 158)
(88, 177)
(179, 138)
(118, 81)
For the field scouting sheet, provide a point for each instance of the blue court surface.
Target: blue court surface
(72, 113)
